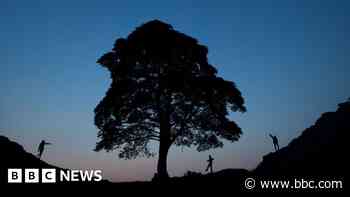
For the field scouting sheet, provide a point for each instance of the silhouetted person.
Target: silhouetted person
(42, 147)
(210, 164)
(275, 142)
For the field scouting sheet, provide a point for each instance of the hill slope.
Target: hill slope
(14, 156)
(320, 150)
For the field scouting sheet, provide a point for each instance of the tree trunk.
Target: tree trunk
(164, 145)
(162, 161)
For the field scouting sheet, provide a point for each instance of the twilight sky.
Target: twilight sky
(290, 59)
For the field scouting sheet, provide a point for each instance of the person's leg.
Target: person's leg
(40, 153)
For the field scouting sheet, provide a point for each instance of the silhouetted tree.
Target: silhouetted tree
(163, 89)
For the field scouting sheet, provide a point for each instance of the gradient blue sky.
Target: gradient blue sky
(290, 59)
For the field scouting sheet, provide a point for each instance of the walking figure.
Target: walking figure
(42, 147)
(275, 142)
(210, 164)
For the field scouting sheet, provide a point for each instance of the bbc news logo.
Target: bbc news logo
(51, 175)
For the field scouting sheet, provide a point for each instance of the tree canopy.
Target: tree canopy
(164, 89)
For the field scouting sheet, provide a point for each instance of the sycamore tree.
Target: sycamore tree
(164, 89)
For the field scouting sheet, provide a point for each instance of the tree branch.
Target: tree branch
(183, 123)
(155, 139)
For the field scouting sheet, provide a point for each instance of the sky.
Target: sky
(289, 59)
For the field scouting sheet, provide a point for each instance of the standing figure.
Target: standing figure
(275, 142)
(210, 164)
(42, 147)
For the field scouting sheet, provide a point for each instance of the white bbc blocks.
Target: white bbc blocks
(31, 175)
(14, 175)
(48, 175)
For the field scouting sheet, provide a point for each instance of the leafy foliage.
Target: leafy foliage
(157, 70)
